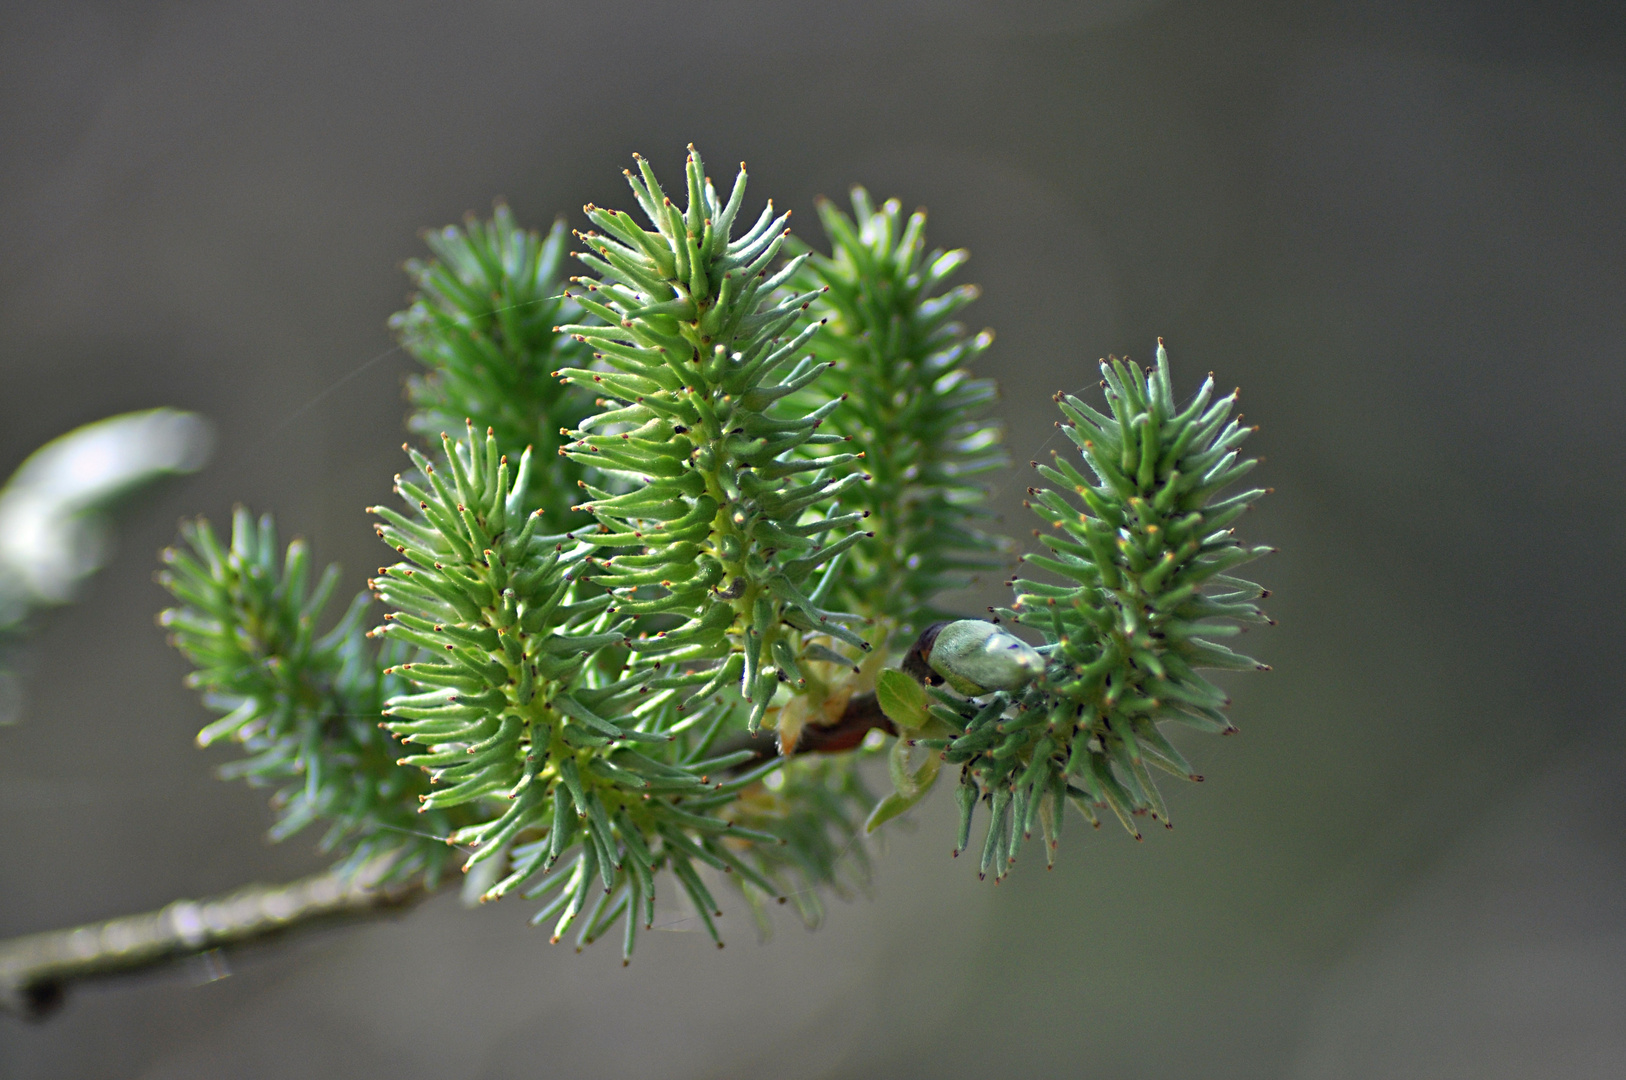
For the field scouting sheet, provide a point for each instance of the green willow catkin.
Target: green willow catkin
(483, 323)
(304, 705)
(1143, 556)
(728, 517)
(900, 369)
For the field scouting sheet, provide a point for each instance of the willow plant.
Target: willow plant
(684, 565)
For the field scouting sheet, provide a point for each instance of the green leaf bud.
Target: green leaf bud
(978, 657)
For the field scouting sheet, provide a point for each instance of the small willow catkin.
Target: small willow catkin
(1142, 548)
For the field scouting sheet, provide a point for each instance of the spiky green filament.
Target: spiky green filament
(484, 323)
(303, 705)
(526, 716)
(901, 370)
(729, 516)
(1144, 567)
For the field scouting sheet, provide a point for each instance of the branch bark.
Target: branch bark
(862, 715)
(36, 971)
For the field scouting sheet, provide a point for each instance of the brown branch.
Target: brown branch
(36, 971)
(863, 714)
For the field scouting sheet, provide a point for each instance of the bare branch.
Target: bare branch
(36, 971)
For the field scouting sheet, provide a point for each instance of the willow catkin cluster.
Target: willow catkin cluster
(713, 500)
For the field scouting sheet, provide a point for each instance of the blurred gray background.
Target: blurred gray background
(1397, 226)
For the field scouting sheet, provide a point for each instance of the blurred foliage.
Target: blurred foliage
(54, 514)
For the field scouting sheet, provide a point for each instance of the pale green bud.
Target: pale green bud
(977, 657)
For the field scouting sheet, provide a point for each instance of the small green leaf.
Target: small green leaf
(902, 699)
(887, 809)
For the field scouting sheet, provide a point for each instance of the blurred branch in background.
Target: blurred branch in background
(35, 971)
(54, 529)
